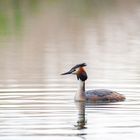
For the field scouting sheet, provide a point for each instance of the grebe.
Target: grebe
(99, 95)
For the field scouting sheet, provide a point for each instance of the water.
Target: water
(41, 39)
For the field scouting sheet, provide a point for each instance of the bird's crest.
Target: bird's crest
(73, 69)
(78, 66)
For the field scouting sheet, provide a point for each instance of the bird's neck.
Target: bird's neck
(80, 95)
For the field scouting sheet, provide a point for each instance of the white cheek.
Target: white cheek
(75, 72)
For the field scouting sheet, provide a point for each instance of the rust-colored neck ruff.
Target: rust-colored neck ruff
(81, 71)
(81, 74)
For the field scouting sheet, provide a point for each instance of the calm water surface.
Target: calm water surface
(41, 39)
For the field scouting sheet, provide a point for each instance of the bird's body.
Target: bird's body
(104, 95)
(98, 95)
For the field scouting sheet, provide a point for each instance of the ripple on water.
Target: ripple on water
(46, 113)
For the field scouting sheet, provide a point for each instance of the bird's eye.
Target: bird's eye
(73, 70)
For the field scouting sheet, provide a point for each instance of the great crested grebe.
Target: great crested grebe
(99, 95)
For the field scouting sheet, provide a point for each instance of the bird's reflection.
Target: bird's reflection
(81, 122)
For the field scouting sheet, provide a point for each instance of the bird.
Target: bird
(96, 95)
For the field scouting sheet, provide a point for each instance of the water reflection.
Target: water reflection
(81, 115)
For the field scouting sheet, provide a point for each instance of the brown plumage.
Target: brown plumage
(81, 74)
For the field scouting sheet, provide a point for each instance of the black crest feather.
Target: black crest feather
(74, 68)
(78, 65)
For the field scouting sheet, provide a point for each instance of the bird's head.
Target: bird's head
(79, 71)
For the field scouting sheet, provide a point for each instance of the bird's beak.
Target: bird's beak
(66, 73)
(69, 72)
